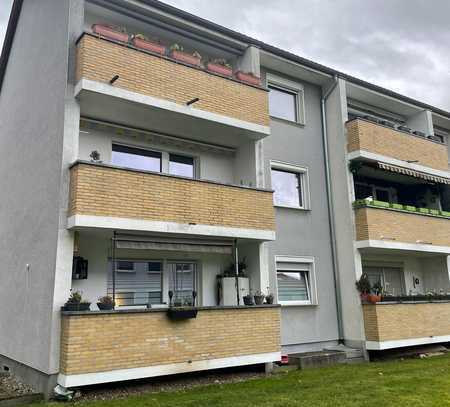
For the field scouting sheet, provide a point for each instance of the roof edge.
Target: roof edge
(9, 38)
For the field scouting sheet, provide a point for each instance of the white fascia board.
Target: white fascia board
(400, 343)
(163, 370)
(389, 244)
(116, 92)
(400, 163)
(115, 223)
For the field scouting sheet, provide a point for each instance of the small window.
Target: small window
(181, 165)
(283, 104)
(290, 185)
(125, 266)
(295, 280)
(293, 286)
(136, 158)
(154, 267)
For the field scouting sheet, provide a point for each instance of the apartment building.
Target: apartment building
(182, 169)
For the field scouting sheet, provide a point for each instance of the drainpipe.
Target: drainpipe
(331, 209)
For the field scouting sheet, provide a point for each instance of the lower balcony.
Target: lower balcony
(384, 225)
(394, 325)
(108, 346)
(108, 197)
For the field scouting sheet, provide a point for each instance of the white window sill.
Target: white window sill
(296, 303)
(300, 208)
(287, 121)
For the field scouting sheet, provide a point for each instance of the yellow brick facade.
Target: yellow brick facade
(104, 342)
(160, 77)
(383, 224)
(367, 136)
(106, 191)
(387, 322)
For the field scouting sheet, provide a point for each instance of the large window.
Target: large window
(290, 185)
(136, 158)
(390, 278)
(181, 165)
(286, 99)
(295, 280)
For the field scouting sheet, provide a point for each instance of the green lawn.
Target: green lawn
(418, 382)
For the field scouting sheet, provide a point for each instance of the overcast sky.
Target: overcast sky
(403, 45)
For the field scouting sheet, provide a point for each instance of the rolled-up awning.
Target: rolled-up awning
(179, 245)
(414, 173)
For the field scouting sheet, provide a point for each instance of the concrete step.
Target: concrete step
(309, 360)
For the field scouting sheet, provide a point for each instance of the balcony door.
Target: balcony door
(182, 281)
(391, 278)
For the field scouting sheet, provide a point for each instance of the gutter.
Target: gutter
(9, 38)
(334, 254)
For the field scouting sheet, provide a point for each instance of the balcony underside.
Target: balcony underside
(110, 104)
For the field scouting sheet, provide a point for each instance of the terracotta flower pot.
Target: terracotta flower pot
(149, 46)
(248, 77)
(186, 58)
(111, 33)
(220, 69)
(373, 298)
(364, 296)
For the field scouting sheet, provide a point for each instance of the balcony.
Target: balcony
(104, 196)
(401, 225)
(106, 346)
(366, 136)
(152, 91)
(392, 325)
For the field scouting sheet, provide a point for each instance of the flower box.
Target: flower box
(180, 313)
(149, 46)
(185, 57)
(82, 306)
(219, 69)
(110, 32)
(248, 78)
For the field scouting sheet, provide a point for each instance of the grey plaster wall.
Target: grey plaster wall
(300, 232)
(32, 125)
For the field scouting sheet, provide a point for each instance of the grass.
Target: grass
(414, 382)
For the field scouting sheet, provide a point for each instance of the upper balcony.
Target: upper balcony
(385, 225)
(110, 197)
(404, 147)
(152, 91)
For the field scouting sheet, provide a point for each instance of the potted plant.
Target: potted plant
(248, 299)
(248, 78)
(259, 298)
(143, 42)
(111, 32)
(177, 52)
(269, 297)
(220, 66)
(180, 309)
(76, 302)
(375, 296)
(105, 303)
(363, 285)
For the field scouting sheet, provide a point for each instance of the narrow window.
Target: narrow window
(136, 158)
(283, 103)
(293, 286)
(288, 188)
(181, 165)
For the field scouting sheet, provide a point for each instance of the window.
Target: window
(391, 278)
(125, 266)
(290, 185)
(137, 158)
(295, 280)
(286, 99)
(364, 190)
(181, 165)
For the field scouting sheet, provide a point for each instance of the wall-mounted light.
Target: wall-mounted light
(192, 101)
(113, 79)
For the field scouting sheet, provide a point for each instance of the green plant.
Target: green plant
(377, 288)
(355, 166)
(75, 297)
(106, 300)
(176, 47)
(363, 284)
(222, 62)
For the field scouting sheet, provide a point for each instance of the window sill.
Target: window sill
(299, 208)
(286, 121)
(297, 304)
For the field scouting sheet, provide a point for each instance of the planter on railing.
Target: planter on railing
(110, 32)
(248, 78)
(181, 313)
(149, 45)
(219, 69)
(185, 57)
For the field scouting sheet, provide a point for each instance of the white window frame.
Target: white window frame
(304, 183)
(118, 270)
(311, 278)
(297, 89)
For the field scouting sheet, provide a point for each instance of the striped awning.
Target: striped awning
(413, 173)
